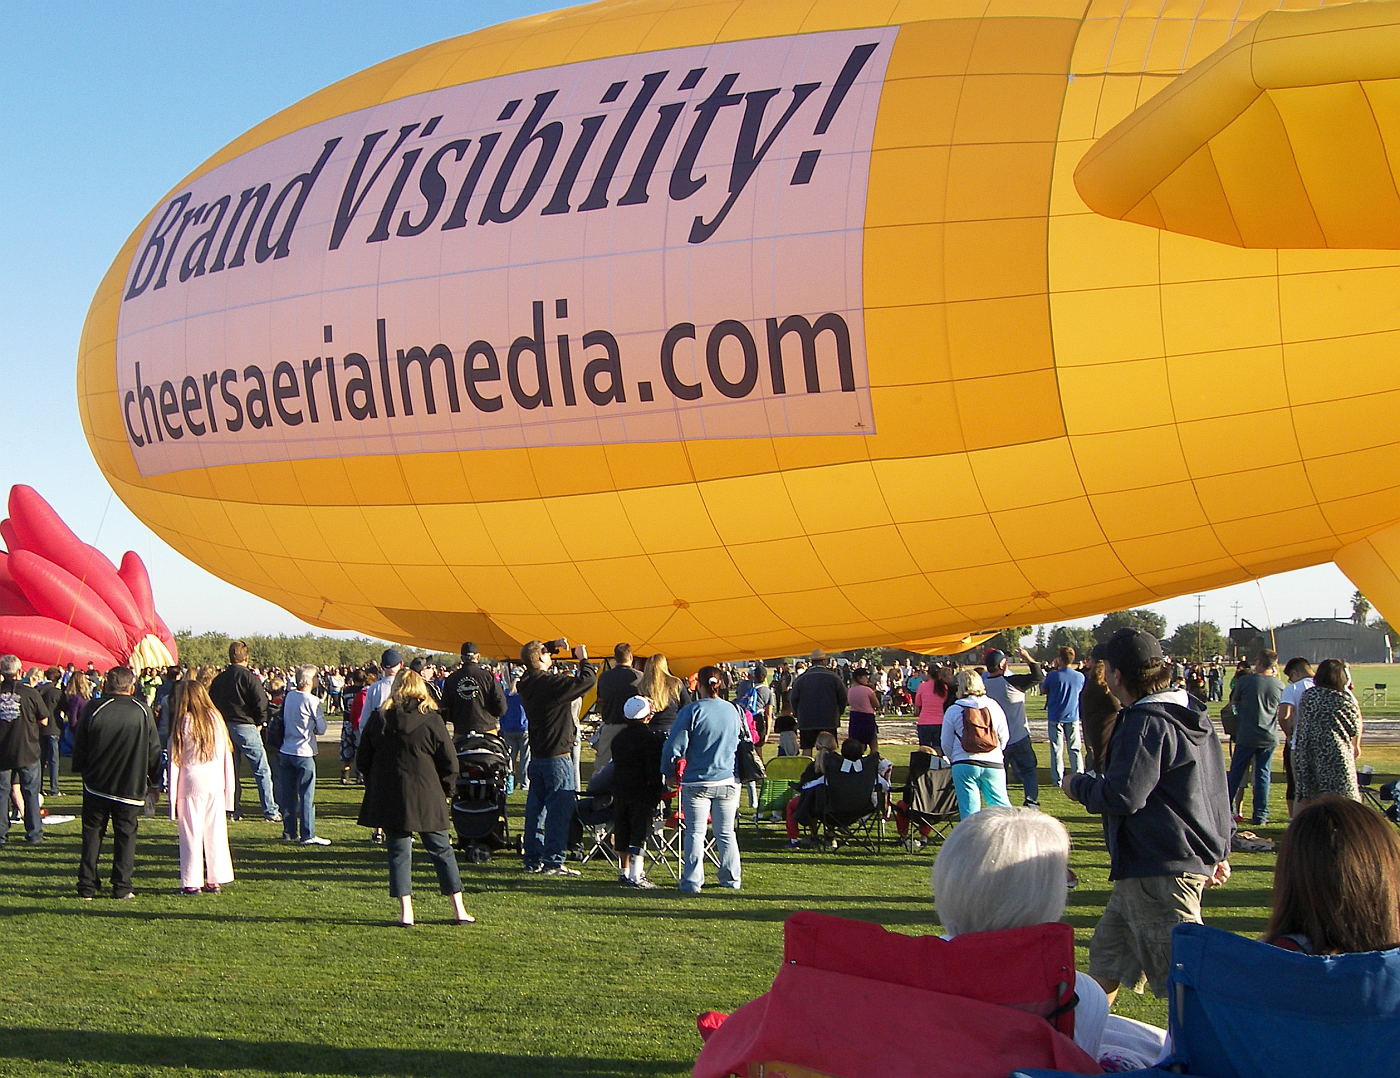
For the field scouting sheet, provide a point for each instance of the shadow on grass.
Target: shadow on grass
(146, 1051)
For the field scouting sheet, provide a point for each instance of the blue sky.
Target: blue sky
(104, 108)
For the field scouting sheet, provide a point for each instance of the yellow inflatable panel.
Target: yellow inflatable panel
(740, 328)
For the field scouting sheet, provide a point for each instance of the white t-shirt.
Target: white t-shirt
(1292, 696)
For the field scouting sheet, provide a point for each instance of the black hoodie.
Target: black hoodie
(1165, 806)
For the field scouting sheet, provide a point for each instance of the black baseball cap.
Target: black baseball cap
(417, 665)
(391, 657)
(1131, 650)
(994, 658)
(469, 649)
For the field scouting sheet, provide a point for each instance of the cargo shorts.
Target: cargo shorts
(1132, 942)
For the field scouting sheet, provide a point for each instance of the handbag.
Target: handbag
(1228, 722)
(748, 765)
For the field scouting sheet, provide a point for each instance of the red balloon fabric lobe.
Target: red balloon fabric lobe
(56, 593)
(47, 641)
(7, 581)
(138, 582)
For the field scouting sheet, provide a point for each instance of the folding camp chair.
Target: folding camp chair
(853, 808)
(980, 1002)
(1243, 1009)
(930, 800)
(777, 790)
(590, 832)
(668, 837)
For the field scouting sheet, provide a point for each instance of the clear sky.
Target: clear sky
(105, 107)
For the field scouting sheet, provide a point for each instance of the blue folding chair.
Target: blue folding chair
(1243, 1009)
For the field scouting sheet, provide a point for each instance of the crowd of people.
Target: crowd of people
(1149, 762)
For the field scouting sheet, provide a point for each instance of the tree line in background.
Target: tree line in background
(285, 652)
(1192, 641)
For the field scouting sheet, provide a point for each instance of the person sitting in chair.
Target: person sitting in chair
(1337, 881)
(811, 787)
(1006, 868)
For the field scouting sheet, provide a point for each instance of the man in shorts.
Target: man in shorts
(1166, 815)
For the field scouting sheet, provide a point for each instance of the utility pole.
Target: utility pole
(1199, 599)
(1236, 609)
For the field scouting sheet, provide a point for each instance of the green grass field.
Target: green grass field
(297, 967)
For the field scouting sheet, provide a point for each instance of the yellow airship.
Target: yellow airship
(739, 327)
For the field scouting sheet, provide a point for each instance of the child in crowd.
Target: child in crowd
(201, 788)
(810, 789)
(786, 728)
(637, 790)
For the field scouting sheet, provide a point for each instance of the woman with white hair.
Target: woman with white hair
(1006, 868)
(974, 735)
(302, 721)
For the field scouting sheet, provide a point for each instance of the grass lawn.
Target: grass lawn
(297, 967)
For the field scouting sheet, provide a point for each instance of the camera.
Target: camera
(554, 647)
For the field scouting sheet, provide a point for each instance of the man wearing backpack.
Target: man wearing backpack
(1166, 815)
(974, 739)
(756, 697)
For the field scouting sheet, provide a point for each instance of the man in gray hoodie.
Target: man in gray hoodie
(1166, 815)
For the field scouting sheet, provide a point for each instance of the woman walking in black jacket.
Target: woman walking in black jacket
(409, 767)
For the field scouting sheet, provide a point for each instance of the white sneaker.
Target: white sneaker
(316, 840)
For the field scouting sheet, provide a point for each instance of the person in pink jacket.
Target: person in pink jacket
(201, 788)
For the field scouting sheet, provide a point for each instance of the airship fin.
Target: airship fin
(1288, 136)
(1373, 565)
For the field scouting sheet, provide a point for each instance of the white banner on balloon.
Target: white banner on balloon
(654, 247)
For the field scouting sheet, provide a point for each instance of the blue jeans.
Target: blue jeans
(298, 800)
(1065, 735)
(247, 740)
(1262, 757)
(549, 809)
(519, 745)
(1020, 757)
(31, 780)
(49, 761)
(715, 804)
(977, 783)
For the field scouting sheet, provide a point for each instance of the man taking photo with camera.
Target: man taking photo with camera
(546, 694)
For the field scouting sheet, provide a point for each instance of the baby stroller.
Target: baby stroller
(479, 801)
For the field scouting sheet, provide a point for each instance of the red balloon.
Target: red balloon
(56, 593)
(51, 643)
(35, 526)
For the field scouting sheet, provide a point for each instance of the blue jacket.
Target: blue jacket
(1162, 795)
(706, 735)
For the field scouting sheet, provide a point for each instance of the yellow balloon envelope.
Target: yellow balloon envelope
(743, 328)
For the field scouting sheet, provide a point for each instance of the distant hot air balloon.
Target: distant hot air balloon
(735, 329)
(62, 601)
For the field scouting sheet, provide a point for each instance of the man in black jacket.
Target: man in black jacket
(818, 699)
(24, 718)
(616, 686)
(472, 700)
(548, 697)
(1166, 815)
(117, 751)
(239, 695)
